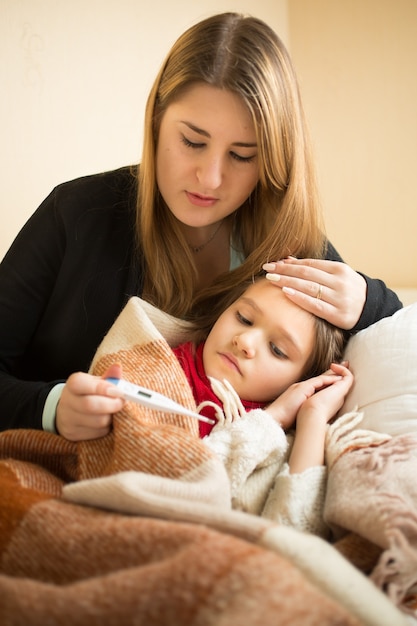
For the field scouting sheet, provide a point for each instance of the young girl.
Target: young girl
(271, 355)
(275, 356)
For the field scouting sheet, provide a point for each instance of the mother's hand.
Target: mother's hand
(85, 409)
(328, 289)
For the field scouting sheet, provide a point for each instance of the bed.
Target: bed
(138, 528)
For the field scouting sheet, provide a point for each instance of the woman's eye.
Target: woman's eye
(198, 144)
(190, 144)
(277, 352)
(243, 320)
(242, 159)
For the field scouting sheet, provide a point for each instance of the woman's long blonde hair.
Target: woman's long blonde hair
(281, 217)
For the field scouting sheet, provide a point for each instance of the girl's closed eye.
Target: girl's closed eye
(242, 319)
(277, 352)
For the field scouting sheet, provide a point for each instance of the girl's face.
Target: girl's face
(260, 344)
(206, 158)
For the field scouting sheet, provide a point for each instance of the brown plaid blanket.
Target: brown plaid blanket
(136, 528)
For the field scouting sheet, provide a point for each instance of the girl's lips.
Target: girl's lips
(230, 361)
(198, 200)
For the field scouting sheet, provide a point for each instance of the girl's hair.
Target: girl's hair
(328, 348)
(243, 55)
(329, 345)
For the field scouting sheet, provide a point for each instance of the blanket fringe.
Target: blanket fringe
(396, 571)
(233, 408)
(382, 459)
(343, 436)
(386, 464)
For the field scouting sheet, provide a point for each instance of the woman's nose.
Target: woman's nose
(210, 172)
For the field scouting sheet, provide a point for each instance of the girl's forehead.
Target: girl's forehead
(263, 288)
(269, 297)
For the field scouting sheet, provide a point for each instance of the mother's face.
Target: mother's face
(207, 155)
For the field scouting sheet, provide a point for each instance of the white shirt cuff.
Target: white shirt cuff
(49, 410)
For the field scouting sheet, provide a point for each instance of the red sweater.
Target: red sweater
(191, 360)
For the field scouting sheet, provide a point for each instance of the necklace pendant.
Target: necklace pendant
(201, 247)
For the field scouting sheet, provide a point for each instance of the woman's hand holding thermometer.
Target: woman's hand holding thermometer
(154, 400)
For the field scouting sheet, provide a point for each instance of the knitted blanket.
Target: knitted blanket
(137, 527)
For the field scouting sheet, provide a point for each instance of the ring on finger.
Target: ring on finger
(319, 292)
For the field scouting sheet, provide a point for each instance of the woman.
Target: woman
(225, 183)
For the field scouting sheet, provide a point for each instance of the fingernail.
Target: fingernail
(275, 278)
(288, 290)
(268, 267)
(113, 392)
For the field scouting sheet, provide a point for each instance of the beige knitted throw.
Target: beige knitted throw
(137, 528)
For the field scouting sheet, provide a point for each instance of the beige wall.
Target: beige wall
(357, 63)
(75, 76)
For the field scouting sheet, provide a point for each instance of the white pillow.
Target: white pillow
(383, 359)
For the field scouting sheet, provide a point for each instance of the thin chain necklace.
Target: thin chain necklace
(206, 243)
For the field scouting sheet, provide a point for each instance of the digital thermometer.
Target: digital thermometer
(154, 400)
